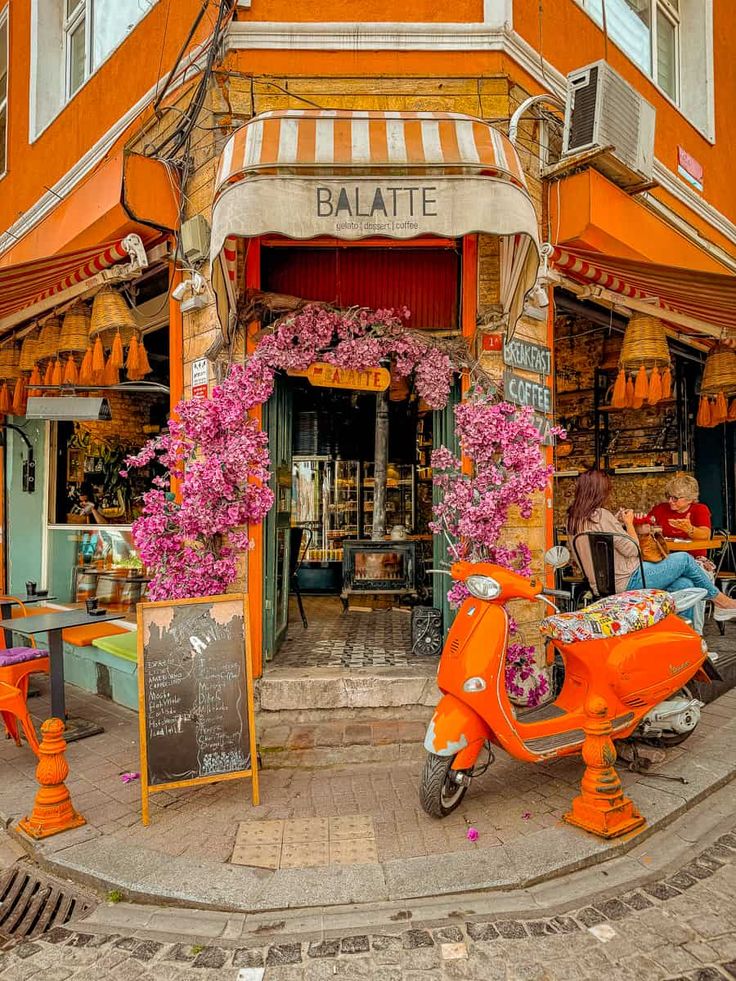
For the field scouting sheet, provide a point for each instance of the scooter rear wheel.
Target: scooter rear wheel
(439, 792)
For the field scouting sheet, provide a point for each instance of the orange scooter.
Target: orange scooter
(630, 649)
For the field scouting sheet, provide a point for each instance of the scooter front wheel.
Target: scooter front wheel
(440, 793)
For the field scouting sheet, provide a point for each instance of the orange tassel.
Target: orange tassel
(117, 356)
(71, 375)
(703, 417)
(111, 375)
(133, 355)
(144, 367)
(35, 376)
(6, 404)
(641, 388)
(720, 410)
(85, 372)
(731, 411)
(58, 374)
(667, 384)
(629, 393)
(48, 377)
(19, 397)
(98, 356)
(655, 387)
(618, 399)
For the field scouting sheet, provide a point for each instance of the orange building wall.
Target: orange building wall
(127, 75)
(571, 38)
(419, 11)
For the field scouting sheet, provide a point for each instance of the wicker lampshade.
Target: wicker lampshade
(719, 373)
(111, 313)
(9, 361)
(644, 344)
(645, 355)
(29, 351)
(75, 329)
(48, 342)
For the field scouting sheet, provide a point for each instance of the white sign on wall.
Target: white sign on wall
(200, 378)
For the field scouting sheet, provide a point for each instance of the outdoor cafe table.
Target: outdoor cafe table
(693, 544)
(53, 624)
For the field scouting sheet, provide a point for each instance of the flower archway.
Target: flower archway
(218, 455)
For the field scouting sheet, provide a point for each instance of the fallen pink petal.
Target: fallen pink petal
(472, 834)
(129, 777)
(526, 816)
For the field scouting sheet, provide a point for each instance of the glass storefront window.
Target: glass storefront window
(99, 562)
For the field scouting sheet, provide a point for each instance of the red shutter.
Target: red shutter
(424, 280)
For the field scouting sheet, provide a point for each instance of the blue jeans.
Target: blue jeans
(678, 571)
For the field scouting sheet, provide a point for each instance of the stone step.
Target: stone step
(326, 743)
(726, 665)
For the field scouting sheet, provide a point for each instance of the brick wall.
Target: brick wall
(130, 414)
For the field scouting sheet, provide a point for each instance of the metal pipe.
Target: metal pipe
(527, 104)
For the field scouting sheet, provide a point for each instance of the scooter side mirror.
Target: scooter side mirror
(557, 556)
(685, 599)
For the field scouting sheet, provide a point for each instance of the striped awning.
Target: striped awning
(30, 287)
(690, 298)
(310, 173)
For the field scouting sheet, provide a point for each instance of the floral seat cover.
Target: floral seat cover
(613, 616)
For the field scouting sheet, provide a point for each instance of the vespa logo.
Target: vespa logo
(677, 668)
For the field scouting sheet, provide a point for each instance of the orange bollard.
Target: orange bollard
(601, 807)
(52, 810)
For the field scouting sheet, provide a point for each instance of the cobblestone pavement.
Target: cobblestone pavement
(680, 925)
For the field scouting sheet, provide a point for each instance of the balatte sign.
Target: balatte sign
(522, 391)
(528, 356)
(325, 375)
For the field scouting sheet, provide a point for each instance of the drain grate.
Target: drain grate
(32, 903)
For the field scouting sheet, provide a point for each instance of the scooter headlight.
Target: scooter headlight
(483, 587)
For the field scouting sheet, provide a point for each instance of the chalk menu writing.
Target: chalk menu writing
(195, 691)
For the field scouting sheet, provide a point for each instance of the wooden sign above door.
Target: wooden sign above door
(326, 375)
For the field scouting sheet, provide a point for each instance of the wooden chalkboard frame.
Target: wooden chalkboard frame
(252, 773)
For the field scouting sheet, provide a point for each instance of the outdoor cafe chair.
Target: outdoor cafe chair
(602, 554)
(13, 710)
(17, 664)
(298, 548)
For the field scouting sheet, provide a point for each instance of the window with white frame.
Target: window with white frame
(649, 32)
(92, 31)
(4, 46)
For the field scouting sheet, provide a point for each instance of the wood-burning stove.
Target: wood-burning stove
(378, 567)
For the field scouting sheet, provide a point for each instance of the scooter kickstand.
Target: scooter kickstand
(641, 766)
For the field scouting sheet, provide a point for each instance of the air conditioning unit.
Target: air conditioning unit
(604, 112)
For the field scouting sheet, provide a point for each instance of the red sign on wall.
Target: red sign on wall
(689, 168)
(491, 342)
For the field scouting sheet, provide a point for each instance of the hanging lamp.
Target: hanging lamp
(644, 362)
(717, 385)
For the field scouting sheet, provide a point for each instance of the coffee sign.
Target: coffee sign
(522, 391)
(527, 356)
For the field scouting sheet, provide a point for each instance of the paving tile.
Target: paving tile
(308, 830)
(353, 826)
(361, 851)
(259, 833)
(259, 856)
(303, 854)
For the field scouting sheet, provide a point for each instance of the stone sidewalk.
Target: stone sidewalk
(666, 910)
(183, 856)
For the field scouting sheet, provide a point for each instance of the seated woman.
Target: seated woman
(678, 571)
(682, 515)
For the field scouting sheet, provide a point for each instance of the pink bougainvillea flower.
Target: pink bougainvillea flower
(130, 777)
(472, 834)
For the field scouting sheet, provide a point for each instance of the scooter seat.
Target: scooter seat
(613, 616)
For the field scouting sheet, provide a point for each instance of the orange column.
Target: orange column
(176, 350)
(468, 309)
(255, 556)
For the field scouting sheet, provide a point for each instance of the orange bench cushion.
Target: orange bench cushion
(83, 636)
(32, 611)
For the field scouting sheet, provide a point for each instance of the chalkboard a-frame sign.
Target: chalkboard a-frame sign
(195, 693)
